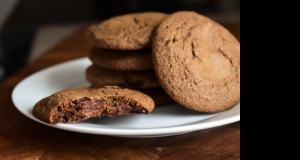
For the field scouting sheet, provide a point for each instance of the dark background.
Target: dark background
(18, 31)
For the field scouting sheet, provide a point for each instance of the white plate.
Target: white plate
(163, 121)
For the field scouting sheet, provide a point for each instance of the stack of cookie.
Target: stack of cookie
(183, 57)
(121, 55)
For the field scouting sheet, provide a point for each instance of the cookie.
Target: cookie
(100, 76)
(80, 103)
(197, 62)
(136, 60)
(125, 32)
(159, 96)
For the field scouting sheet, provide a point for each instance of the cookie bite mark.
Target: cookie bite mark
(78, 104)
(83, 108)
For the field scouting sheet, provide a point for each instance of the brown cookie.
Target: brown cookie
(159, 96)
(125, 32)
(80, 103)
(136, 60)
(197, 62)
(130, 79)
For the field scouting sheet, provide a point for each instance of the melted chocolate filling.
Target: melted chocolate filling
(85, 108)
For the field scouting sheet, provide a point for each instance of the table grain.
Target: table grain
(23, 138)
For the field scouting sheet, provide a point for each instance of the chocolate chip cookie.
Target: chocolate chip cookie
(197, 62)
(80, 103)
(125, 32)
(136, 60)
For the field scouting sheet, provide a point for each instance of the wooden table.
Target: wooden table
(23, 138)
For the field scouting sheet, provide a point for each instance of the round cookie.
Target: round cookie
(100, 76)
(136, 60)
(159, 96)
(80, 103)
(125, 32)
(197, 62)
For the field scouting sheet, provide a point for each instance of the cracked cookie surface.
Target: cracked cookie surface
(125, 32)
(197, 62)
(80, 103)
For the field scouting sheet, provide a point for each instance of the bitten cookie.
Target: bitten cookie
(197, 62)
(80, 103)
(130, 79)
(125, 32)
(117, 60)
